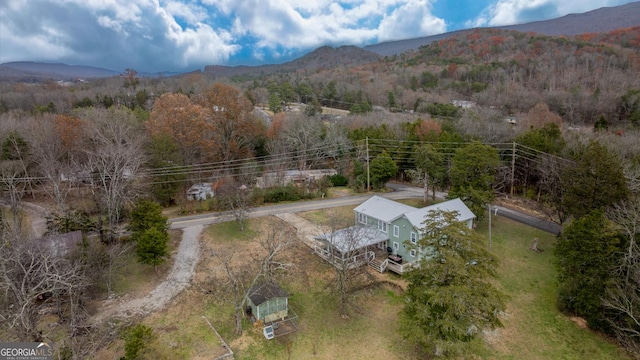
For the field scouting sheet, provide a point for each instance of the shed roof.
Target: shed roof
(383, 209)
(260, 293)
(417, 216)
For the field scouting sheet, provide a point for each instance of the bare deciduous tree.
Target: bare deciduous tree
(49, 153)
(33, 274)
(13, 184)
(276, 239)
(347, 256)
(622, 297)
(114, 160)
(236, 199)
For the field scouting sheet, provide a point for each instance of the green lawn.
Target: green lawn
(533, 327)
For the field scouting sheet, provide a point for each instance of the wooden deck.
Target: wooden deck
(377, 259)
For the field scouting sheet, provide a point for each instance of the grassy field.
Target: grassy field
(533, 328)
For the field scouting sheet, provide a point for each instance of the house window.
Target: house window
(414, 238)
(396, 246)
(396, 230)
(362, 218)
(412, 253)
(382, 226)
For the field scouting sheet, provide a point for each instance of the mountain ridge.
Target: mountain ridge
(596, 21)
(600, 20)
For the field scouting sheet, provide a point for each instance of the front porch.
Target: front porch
(341, 261)
(375, 257)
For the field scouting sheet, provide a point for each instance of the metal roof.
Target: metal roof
(383, 209)
(416, 218)
(354, 237)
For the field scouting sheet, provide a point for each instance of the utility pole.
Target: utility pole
(513, 166)
(489, 208)
(368, 174)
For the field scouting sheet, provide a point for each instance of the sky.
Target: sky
(186, 35)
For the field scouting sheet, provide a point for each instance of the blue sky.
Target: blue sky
(181, 35)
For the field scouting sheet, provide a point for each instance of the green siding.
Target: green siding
(275, 306)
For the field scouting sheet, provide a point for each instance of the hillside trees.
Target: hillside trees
(450, 298)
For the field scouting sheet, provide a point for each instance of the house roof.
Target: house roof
(417, 216)
(260, 293)
(354, 237)
(383, 209)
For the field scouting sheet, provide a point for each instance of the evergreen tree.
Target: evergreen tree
(472, 175)
(382, 169)
(151, 247)
(584, 254)
(596, 181)
(450, 298)
(149, 230)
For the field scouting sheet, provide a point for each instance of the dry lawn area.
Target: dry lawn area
(181, 332)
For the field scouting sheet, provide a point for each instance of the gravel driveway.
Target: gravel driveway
(178, 278)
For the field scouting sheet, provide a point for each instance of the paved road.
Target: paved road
(401, 191)
(533, 221)
(207, 219)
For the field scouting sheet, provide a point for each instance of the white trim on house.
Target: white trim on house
(414, 238)
(396, 230)
(362, 218)
(382, 226)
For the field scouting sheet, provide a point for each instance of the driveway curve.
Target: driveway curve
(177, 280)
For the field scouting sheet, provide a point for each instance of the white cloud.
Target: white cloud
(177, 34)
(411, 20)
(142, 34)
(509, 12)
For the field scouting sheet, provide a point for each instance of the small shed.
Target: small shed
(268, 302)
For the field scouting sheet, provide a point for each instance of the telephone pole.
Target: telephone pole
(368, 175)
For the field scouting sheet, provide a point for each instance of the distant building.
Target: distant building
(296, 177)
(464, 104)
(511, 120)
(201, 191)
